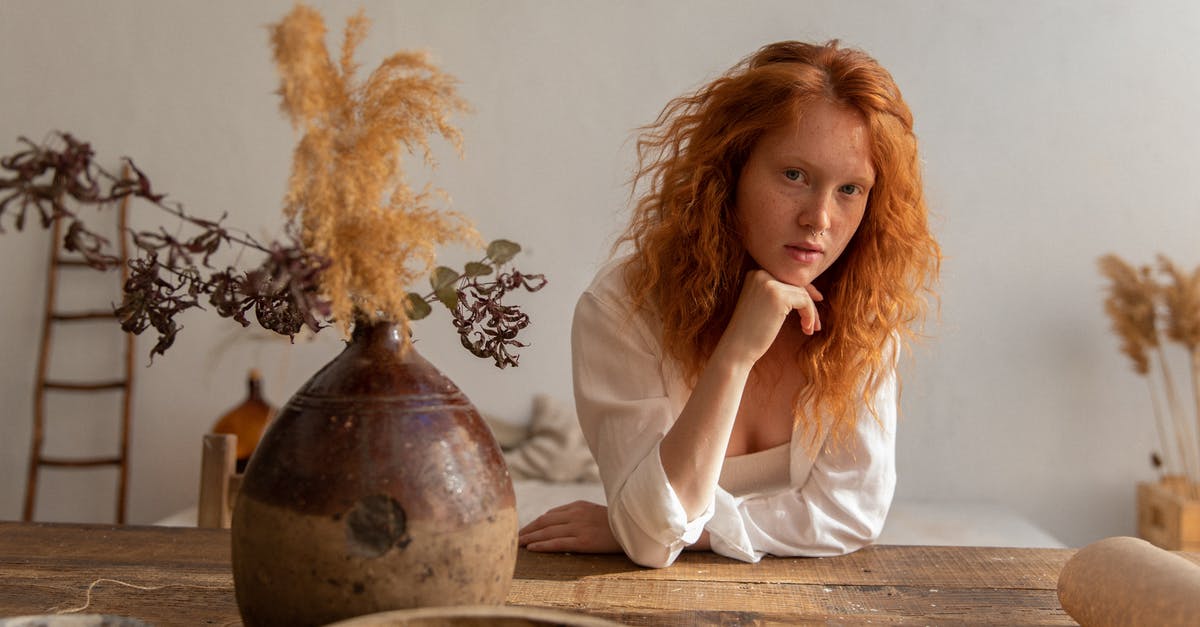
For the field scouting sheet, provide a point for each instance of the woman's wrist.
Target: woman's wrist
(731, 362)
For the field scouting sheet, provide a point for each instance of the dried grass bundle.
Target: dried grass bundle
(1130, 305)
(1138, 307)
(347, 190)
(1182, 299)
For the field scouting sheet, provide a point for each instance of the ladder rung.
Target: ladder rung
(83, 315)
(85, 387)
(80, 462)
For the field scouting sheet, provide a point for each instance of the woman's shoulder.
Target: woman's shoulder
(607, 302)
(609, 286)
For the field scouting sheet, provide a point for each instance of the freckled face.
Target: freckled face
(803, 191)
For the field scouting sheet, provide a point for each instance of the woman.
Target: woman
(718, 417)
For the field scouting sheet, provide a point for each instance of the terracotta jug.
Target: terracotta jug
(377, 487)
(248, 420)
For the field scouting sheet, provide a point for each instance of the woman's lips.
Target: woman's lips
(804, 253)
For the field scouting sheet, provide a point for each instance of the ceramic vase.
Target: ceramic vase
(378, 487)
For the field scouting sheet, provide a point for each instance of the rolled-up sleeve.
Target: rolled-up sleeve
(624, 410)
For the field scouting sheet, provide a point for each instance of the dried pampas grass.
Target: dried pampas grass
(1182, 299)
(1141, 309)
(1130, 305)
(347, 192)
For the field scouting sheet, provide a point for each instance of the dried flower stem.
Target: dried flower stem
(1191, 466)
(1196, 397)
(1182, 299)
(1138, 306)
(1164, 440)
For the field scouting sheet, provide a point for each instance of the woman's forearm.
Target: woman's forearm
(693, 450)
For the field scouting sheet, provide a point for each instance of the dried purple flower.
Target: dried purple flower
(486, 326)
(171, 274)
(168, 274)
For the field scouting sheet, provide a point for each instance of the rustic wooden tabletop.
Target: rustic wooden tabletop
(181, 576)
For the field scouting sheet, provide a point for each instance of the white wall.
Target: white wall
(1052, 132)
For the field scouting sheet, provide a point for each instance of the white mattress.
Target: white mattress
(909, 522)
(932, 523)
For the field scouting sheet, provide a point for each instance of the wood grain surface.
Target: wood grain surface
(884, 584)
(185, 579)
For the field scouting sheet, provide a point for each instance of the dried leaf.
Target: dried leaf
(501, 251)
(442, 277)
(475, 268)
(448, 296)
(417, 307)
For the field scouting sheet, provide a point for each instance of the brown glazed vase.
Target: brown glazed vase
(378, 487)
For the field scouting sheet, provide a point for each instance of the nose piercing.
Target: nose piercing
(817, 233)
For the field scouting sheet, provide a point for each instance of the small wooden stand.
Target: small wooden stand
(1169, 514)
(219, 480)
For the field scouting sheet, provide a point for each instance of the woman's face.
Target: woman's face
(803, 192)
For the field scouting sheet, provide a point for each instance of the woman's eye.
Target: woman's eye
(793, 174)
(849, 190)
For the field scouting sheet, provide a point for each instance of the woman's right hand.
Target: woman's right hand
(578, 527)
(763, 306)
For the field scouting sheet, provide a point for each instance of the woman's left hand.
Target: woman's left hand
(579, 527)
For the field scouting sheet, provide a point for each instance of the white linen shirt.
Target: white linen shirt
(628, 394)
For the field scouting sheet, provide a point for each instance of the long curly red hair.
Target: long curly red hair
(688, 261)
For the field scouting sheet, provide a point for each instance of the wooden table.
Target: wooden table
(185, 579)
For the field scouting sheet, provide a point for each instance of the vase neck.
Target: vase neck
(379, 334)
(254, 386)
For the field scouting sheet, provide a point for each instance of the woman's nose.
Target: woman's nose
(815, 214)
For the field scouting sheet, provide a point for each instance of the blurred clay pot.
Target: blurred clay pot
(378, 487)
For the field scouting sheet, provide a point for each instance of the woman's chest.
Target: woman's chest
(765, 417)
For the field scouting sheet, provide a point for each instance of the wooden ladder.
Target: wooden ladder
(45, 385)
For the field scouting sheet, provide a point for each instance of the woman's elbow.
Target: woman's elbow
(649, 554)
(644, 551)
(855, 543)
(863, 534)
(640, 547)
(660, 558)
